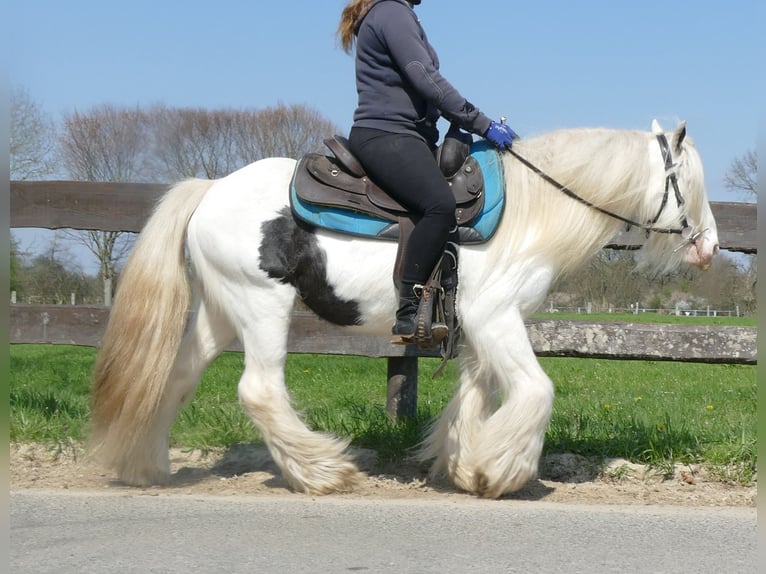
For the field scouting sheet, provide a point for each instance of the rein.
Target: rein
(685, 231)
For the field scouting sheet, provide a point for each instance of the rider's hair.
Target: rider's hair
(353, 11)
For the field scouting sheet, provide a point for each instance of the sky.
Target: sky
(543, 64)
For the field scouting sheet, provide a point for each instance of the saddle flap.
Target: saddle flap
(328, 172)
(468, 183)
(319, 180)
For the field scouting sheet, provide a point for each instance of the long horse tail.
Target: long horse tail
(142, 338)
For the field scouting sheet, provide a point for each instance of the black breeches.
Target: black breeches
(405, 167)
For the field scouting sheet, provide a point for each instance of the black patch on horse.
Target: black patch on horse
(290, 253)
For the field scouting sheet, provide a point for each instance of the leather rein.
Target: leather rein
(688, 233)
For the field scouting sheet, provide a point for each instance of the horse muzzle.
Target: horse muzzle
(701, 250)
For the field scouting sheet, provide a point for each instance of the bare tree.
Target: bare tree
(32, 138)
(15, 264)
(53, 277)
(195, 142)
(608, 280)
(728, 284)
(743, 175)
(283, 131)
(211, 144)
(612, 280)
(105, 144)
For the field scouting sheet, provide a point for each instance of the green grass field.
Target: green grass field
(657, 413)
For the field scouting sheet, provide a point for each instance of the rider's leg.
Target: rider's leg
(405, 166)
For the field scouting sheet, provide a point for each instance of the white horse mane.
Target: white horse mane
(614, 170)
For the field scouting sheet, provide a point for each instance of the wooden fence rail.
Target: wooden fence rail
(125, 207)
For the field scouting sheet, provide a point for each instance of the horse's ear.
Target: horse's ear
(678, 136)
(656, 127)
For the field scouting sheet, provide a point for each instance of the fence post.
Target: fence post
(402, 388)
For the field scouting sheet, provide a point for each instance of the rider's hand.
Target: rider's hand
(500, 135)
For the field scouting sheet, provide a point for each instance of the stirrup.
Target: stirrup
(430, 329)
(432, 323)
(436, 322)
(424, 318)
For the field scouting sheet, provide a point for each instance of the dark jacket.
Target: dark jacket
(398, 82)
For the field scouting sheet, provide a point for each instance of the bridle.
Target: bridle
(687, 232)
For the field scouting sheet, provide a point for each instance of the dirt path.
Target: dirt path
(250, 470)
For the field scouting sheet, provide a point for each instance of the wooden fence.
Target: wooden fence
(125, 207)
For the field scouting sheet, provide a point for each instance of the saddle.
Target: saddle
(339, 182)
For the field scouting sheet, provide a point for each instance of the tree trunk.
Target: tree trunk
(107, 291)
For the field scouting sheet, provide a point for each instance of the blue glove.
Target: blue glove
(500, 135)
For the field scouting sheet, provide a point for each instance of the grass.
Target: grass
(657, 413)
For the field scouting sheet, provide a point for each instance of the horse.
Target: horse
(224, 259)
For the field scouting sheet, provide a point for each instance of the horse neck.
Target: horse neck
(609, 168)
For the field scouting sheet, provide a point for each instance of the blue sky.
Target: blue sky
(543, 64)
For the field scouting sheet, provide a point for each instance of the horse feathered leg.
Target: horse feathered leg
(506, 452)
(252, 260)
(450, 440)
(311, 462)
(490, 437)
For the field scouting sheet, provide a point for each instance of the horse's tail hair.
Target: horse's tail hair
(142, 337)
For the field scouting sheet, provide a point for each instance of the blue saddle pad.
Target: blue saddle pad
(480, 229)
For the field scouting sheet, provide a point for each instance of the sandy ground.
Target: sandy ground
(249, 470)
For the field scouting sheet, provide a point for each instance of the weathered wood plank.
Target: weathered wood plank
(644, 341)
(737, 226)
(83, 325)
(125, 207)
(67, 325)
(83, 205)
(736, 222)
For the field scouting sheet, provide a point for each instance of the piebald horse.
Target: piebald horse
(225, 259)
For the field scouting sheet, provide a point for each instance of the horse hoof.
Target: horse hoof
(481, 485)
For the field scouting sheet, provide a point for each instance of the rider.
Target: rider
(401, 95)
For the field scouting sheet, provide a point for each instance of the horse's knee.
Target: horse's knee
(256, 396)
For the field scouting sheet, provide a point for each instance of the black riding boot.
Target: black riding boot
(405, 314)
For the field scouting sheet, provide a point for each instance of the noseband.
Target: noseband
(687, 233)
